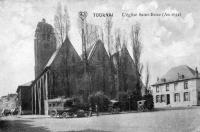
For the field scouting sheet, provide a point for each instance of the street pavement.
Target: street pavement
(180, 120)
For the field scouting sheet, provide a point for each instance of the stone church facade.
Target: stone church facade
(61, 72)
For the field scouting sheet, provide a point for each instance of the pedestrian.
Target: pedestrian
(97, 109)
(2, 112)
(90, 111)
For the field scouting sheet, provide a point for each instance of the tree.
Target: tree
(92, 34)
(137, 49)
(100, 99)
(87, 73)
(121, 61)
(62, 26)
(108, 28)
(147, 79)
(117, 59)
(61, 23)
(124, 65)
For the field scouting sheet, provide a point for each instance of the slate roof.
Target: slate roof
(173, 73)
(52, 58)
(28, 84)
(94, 47)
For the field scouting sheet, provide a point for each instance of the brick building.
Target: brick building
(62, 72)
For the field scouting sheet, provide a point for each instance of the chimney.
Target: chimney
(196, 72)
(178, 76)
(157, 79)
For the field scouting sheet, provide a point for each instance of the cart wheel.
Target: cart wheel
(53, 113)
(72, 115)
(64, 114)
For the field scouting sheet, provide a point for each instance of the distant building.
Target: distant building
(180, 86)
(25, 98)
(9, 101)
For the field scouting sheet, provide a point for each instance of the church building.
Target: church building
(61, 72)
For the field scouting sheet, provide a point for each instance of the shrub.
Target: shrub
(100, 99)
(124, 102)
(149, 101)
(134, 97)
(128, 101)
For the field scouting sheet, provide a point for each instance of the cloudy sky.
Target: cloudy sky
(167, 41)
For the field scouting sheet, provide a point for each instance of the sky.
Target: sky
(167, 41)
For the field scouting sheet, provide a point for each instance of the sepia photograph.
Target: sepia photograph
(99, 66)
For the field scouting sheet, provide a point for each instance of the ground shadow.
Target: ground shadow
(20, 126)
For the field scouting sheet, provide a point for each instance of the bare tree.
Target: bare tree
(108, 28)
(147, 78)
(62, 26)
(117, 59)
(137, 49)
(61, 23)
(92, 33)
(102, 35)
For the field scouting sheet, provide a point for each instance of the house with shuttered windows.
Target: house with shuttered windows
(179, 87)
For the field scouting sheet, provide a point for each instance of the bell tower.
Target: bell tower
(44, 45)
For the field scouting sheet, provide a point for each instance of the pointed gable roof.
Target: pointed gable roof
(123, 53)
(98, 44)
(126, 53)
(91, 50)
(67, 44)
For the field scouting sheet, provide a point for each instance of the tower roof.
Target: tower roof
(43, 27)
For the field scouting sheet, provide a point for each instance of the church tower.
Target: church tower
(44, 44)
